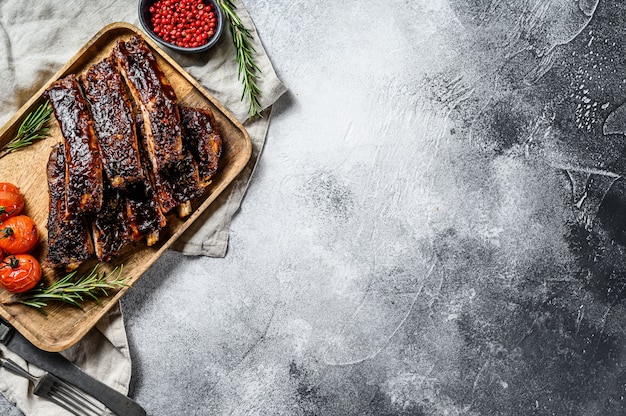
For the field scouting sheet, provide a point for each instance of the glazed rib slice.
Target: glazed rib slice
(176, 185)
(82, 155)
(143, 213)
(69, 242)
(113, 122)
(203, 140)
(171, 170)
(156, 102)
(182, 183)
(110, 230)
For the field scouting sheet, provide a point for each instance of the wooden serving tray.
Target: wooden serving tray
(64, 324)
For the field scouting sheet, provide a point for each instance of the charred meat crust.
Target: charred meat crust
(69, 242)
(174, 185)
(172, 170)
(110, 229)
(143, 212)
(114, 123)
(82, 154)
(203, 139)
(155, 99)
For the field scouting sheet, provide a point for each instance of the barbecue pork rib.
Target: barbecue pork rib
(175, 185)
(82, 154)
(172, 170)
(69, 242)
(114, 123)
(181, 183)
(203, 139)
(143, 212)
(111, 231)
(155, 99)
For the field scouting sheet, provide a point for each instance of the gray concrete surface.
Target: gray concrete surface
(435, 226)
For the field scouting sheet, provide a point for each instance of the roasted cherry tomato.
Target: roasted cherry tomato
(11, 200)
(18, 235)
(19, 273)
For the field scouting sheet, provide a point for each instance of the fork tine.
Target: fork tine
(73, 394)
(57, 391)
(51, 387)
(61, 403)
(44, 387)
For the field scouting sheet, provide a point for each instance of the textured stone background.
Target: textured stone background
(436, 225)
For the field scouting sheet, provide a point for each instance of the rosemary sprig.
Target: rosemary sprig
(72, 290)
(32, 128)
(248, 70)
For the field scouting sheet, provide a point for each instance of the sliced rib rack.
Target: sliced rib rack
(127, 159)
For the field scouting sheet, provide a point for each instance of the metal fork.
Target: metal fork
(57, 391)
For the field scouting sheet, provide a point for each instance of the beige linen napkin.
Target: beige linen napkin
(103, 353)
(35, 41)
(218, 73)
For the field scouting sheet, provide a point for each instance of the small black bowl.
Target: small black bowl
(144, 18)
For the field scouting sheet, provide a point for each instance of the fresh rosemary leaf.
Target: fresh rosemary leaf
(248, 70)
(32, 128)
(74, 290)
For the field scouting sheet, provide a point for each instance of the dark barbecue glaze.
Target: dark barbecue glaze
(155, 99)
(110, 229)
(180, 183)
(113, 122)
(203, 139)
(82, 155)
(69, 242)
(175, 185)
(152, 162)
(143, 212)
